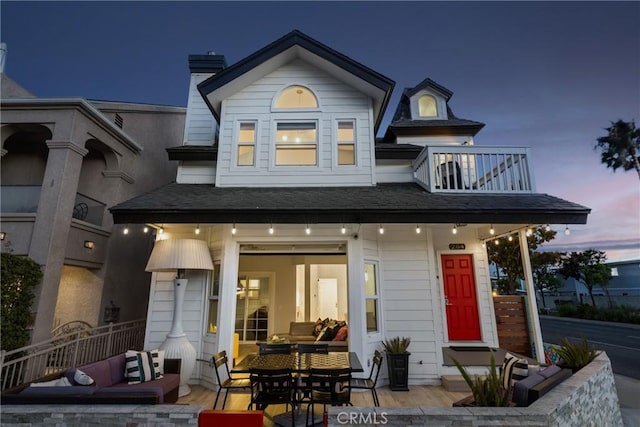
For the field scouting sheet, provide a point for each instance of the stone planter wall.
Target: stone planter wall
(587, 398)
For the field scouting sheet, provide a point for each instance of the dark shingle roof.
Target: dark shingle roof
(390, 203)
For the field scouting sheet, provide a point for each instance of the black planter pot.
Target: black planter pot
(398, 367)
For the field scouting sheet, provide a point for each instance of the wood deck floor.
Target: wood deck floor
(431, 396)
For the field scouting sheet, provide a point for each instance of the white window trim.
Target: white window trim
(273, 167)
(334, 131)
(236, 145)
(373, 334)
(441, 106)
(275, 109)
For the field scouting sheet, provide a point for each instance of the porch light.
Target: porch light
(198, 229)
(234, 230)
(343, 230)
(126, 230)
(307, 230)
(145, 230)
(180, 255)
(380, 229)
(418, 229)
(510, 238)
(567, 231)
(529, 232)
(271, 230)
(89, 244)
(454, 230)
(161, 231)
(492, 230)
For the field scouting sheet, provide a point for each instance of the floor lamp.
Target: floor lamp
(180, 255)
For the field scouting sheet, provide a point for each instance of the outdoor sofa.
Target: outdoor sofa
(109, 386)
(310, 332)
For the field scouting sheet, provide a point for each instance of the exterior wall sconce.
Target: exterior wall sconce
(2, 235)
(89, 244)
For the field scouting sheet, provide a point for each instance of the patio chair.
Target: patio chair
(218, 361)
(370, 383)
(266, 348)
(272, 387)
(313, 348)
(302, 385)
(329, 387)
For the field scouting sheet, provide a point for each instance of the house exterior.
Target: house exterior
(64, 163)
(308, 215)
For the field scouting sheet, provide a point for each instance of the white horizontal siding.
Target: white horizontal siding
(200, 172)
(394, 171)
(337, 101)
(200, 126)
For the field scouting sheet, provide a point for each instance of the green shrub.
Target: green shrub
(19, 277)
(487, 390)
(576, 355)
(397, 345)
(567, 310)
(587, 311)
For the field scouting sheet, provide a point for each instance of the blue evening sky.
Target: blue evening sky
(549, 75)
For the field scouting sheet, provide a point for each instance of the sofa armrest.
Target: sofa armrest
(548, 384)
(172, 366)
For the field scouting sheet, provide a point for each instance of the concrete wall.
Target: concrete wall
(588, 398)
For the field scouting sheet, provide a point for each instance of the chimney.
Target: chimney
(195, 131)
(3, 56)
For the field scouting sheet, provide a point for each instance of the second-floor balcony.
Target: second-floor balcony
(468, 168)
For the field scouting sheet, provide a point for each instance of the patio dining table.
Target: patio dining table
(299, 363)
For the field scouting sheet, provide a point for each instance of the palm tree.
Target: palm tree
(621, 147)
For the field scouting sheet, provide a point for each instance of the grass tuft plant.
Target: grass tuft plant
(397, 344)
(487, 390)
(576, 355)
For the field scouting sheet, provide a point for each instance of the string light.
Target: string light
(454, 230)
(126, 230)
(418, 229)
(529, 232)
(484, 245)
(510, 238)
(161, 231)
(307, 230)
(567, 231)
(198, 229)
(145, 230)
(234, 230)
(380, 229)
(492, 230)
(547, 228)
(271, 230)
(497, 242)
(343, 230)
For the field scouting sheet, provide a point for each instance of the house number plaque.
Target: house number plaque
(457, 246)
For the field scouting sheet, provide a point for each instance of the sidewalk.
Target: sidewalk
(628, 391)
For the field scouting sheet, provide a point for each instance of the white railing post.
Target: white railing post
(110, 338)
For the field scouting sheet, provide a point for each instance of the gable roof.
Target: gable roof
(292, 45)
(384, 203)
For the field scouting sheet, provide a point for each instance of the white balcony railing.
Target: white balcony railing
(447, 168)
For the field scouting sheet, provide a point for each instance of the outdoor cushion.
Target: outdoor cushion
(99, 371)
(549, 371)
(142, 366)
(50, 391)
(514, 370)
(117, 364)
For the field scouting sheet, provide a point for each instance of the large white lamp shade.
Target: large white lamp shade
(179, 255)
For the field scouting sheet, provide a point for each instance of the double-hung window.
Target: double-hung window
(296, 143)
(372, 302)
(247, 144)
(346, 142)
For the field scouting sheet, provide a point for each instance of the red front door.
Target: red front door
(460, 298)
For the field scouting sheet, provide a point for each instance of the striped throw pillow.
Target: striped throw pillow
(142, 366)
(514, 369)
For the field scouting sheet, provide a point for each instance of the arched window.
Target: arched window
(296, 97)
(427, 106)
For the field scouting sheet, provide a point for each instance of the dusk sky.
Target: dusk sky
(548, 75)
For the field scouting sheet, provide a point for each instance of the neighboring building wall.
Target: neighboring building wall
(337, 101)
(78, 297)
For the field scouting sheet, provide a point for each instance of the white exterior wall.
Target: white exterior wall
(196, 172)
(254, 103)
(394, 171)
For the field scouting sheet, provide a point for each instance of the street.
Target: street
(620, 341)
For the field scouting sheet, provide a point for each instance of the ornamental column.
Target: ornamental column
(51, 229)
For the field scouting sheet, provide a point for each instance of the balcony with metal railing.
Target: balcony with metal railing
(474, 169)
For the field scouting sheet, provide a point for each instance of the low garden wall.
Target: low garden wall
(102, 415)
(587, 398)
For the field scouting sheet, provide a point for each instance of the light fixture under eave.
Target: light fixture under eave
(145, 230)
(567, 231)
(492, 230)
(168, 256)
(89, 244)
(510, 238)
(234, 230)
(529, 232)
(161, 231)
(454, 230)
(271, 230)
(126, 230)
(380, 229)
(307, 230)
(497, 242)
(197, 229)
(418, 229)
(343, 230)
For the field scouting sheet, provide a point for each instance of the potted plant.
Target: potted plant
(398, 362)
(487, 390)
(576, 355)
